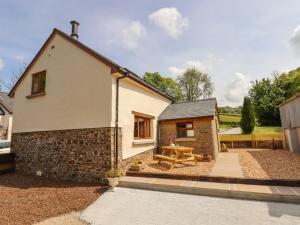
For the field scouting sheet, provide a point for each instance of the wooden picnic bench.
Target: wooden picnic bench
(176, 154)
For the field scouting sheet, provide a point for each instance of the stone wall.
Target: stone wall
(81, 155)
(142, 156)
(205, 139)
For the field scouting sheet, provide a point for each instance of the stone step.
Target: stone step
(225, 190)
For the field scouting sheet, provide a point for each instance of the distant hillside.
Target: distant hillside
(230, 110)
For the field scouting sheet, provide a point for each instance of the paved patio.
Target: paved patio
(142, 207)
(227, 165)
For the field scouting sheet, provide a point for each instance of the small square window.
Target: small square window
(185, 130)
(38, 83)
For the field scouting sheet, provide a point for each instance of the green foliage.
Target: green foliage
(248, 117)
(164, 84)
(289, 82)
(114, 172)
(195, 85)
(230, 110)
(266, 95)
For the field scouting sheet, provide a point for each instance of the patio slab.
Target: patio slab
(227, 190)
(127, 206)
(227, 165)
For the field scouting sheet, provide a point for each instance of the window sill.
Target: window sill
(36, 95)
(185, 139)
(143, 141)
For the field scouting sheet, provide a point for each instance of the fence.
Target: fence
(7, 163)
(254, 140)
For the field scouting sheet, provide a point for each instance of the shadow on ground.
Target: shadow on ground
(281, 209)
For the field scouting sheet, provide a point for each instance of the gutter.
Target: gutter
(116, 139)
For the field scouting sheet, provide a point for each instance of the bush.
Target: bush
(248, 118)
(113, 173)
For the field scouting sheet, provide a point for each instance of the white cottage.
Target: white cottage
(75, 111)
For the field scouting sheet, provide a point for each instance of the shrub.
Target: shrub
(248, 118)
(114, 172)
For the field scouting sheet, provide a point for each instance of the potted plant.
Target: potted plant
(136, 165)
(113, 176)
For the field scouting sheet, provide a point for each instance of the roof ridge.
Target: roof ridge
(199, 100)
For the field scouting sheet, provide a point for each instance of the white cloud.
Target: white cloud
(131, 35)
(206, 65)
(295, 41)
(20, 58)
(1, 64)
(237, 89)
(170, 21)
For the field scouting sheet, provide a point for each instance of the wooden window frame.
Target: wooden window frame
(147, 132)
(41, 88)
(185, 128)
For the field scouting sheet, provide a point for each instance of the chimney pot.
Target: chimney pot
(74, 33)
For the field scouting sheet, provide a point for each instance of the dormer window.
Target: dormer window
(38, 83)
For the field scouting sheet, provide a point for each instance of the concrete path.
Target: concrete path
(227, 165)
(235, 130)
(141, 207)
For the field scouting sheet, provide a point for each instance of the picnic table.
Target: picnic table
(176, 154)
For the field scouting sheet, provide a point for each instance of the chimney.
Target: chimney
(74, 33)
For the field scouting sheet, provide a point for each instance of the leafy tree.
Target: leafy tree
(248, 117)
(289, 82)
(265, 96)
(164, 84)
(195, 84)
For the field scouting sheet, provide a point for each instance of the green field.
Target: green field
(230, 121)
(230, 118)
(267, 130)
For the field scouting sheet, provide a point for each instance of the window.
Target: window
(142, 127)
(38, 83)
(185, 130)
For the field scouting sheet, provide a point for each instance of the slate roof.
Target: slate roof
(194, 109)
(6, 102)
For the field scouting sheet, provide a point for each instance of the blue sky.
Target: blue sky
(233, 41)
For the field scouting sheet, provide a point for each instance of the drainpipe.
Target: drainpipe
(117, 117)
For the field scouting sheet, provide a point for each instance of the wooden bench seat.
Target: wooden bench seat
(164, 157)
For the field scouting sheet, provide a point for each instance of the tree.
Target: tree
(164, 84)
(266, 95)
(195, 85)
(248, 117)
(288, 82)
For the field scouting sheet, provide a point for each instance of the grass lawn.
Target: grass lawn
(229, 121)
(230, 118)
(27, 199)
(267, 130)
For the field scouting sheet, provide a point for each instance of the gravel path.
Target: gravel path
(27, 200)
(265, 163)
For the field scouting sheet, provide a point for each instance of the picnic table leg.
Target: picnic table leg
(172, 165)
